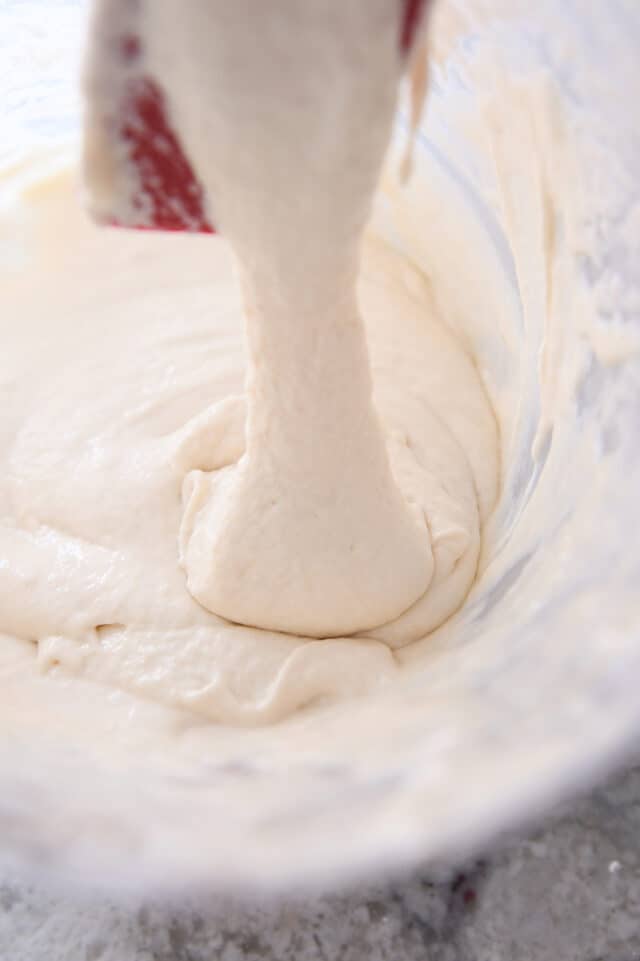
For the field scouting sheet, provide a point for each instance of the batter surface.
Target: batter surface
(126, 375)
(240, 525)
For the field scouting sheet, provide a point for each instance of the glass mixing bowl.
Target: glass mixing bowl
(528, 152)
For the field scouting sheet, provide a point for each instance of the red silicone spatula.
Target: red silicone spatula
(136, 170)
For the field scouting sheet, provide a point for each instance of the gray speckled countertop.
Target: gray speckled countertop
(568, 891)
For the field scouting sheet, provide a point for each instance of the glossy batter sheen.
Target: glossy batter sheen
(323, 484)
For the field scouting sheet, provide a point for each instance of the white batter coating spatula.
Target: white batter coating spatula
(137, 173)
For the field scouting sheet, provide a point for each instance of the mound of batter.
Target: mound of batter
(240, 527)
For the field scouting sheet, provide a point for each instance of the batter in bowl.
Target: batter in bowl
(192, 518)
(514, 242)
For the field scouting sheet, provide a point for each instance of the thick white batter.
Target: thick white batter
(522, 217)
(161, 481)
(139, 383)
